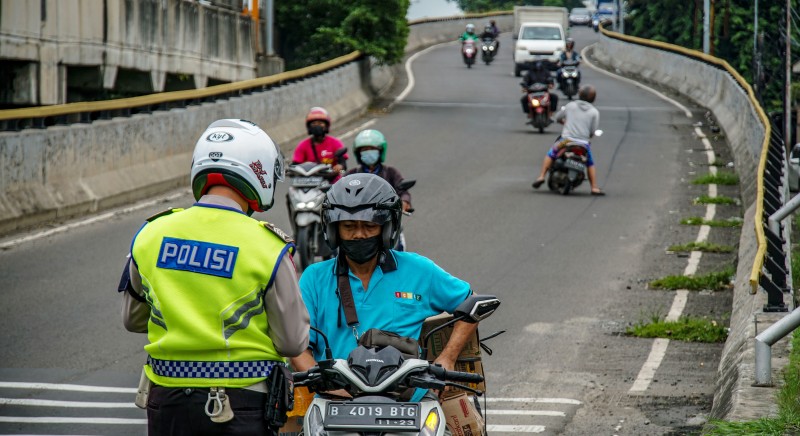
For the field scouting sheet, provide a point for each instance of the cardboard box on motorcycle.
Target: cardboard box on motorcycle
(470, 358)
(461, 416)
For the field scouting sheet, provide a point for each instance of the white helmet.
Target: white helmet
(470, 27)
(241, 156)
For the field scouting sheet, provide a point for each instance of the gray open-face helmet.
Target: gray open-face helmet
(362, 197)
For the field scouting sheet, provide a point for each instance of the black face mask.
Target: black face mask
(361, 250)
(317, 131)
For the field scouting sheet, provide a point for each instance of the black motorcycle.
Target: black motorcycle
(488, 50)
(569, 78)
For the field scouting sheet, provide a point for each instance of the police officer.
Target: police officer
(392, 290)
(216, 292)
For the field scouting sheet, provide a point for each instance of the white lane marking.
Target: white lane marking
(52, 403)
(61, 420)
(358, 129)
(516, 428)
(66, 387)
(649, 368)
(712, 190)
(584, 58)
(410, 74)
(525, 412)
(694, 262)
(702, 235)
(681, 296)
(14, 242)
(534, 400)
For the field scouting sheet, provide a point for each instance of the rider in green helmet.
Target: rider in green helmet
(370, 150)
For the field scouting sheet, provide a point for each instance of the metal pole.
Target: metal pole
(706, 26)
(764, 342)
(781, 214)
(621, 14)
(787, 96)
(270, 10)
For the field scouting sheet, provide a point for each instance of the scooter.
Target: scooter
(568, 170)
(488, 50)
(468, 52)
(538, 106)
(376, 377)
(569, 78)
(309, 182)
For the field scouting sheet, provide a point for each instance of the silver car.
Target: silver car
(580, 17)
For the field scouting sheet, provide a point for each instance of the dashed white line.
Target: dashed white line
(534, 400)
(525, 412)
(65, 387)
(515, 428)
(62, 420)
(70, 404)
(678, 304)
(650, 366)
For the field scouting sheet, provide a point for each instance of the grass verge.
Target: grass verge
(702, 246)
(721, 178)
(686, 328)
(715, 281)
(699, 221)
(721, 199)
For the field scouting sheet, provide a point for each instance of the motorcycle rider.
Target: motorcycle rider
(392, 290)
(568, 55)
(469, 33)
(580, 119)
(319, 147)
(539, 72)
(369, 146)
(216, 292)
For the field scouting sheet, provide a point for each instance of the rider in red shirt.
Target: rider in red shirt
(319, 147)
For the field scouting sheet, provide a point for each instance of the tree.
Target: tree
(312, 31)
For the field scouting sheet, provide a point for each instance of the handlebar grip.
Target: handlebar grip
(299, 376)
(465, 377)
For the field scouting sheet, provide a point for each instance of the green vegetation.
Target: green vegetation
(715, 281)
(720, 199)
(702, 246)
(721, 178)
(681, 23)
(312, 31)
(690, 329)
(698, 221)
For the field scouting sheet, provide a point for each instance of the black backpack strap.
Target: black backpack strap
(346, 293)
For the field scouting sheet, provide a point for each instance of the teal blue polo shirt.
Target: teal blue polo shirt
(404, 289)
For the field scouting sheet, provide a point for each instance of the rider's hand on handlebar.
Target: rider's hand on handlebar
(338, 168)
(406, 206)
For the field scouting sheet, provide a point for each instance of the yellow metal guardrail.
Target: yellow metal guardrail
(166, 97)
(758, 264)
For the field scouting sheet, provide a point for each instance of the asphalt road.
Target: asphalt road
(561, 265)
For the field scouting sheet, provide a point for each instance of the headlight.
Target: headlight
(431, 424)
(535, 103)
(301, 205)
(574, 74)
(315, 427)
(491, 47)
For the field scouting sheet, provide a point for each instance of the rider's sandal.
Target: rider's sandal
(537, 184)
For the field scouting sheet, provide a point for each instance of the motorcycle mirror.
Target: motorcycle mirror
(476, 308)
(406, 184)
(328, 353)
(340, 152)
(598, 132)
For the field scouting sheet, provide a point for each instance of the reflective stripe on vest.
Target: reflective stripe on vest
(184, 369)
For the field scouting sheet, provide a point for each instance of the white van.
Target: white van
(538, 40)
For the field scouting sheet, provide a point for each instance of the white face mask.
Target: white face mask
(370, 157)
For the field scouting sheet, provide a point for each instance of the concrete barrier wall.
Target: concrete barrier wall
(65, 171)
(715, 89)
(449, 29)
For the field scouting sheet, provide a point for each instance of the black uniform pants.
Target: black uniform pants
(181, 411)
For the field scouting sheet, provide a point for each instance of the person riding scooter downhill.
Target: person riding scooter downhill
(538, 73)
(320, 147)
(580, 119)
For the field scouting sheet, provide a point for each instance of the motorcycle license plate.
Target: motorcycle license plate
(401, 416)
(573, 165)
(307, 181)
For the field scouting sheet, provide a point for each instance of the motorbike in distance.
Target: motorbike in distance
(309, 181)
(569, 78)
(538, 105)
(468, 52)
(488, 50)
(376, 377)
(568, 170)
